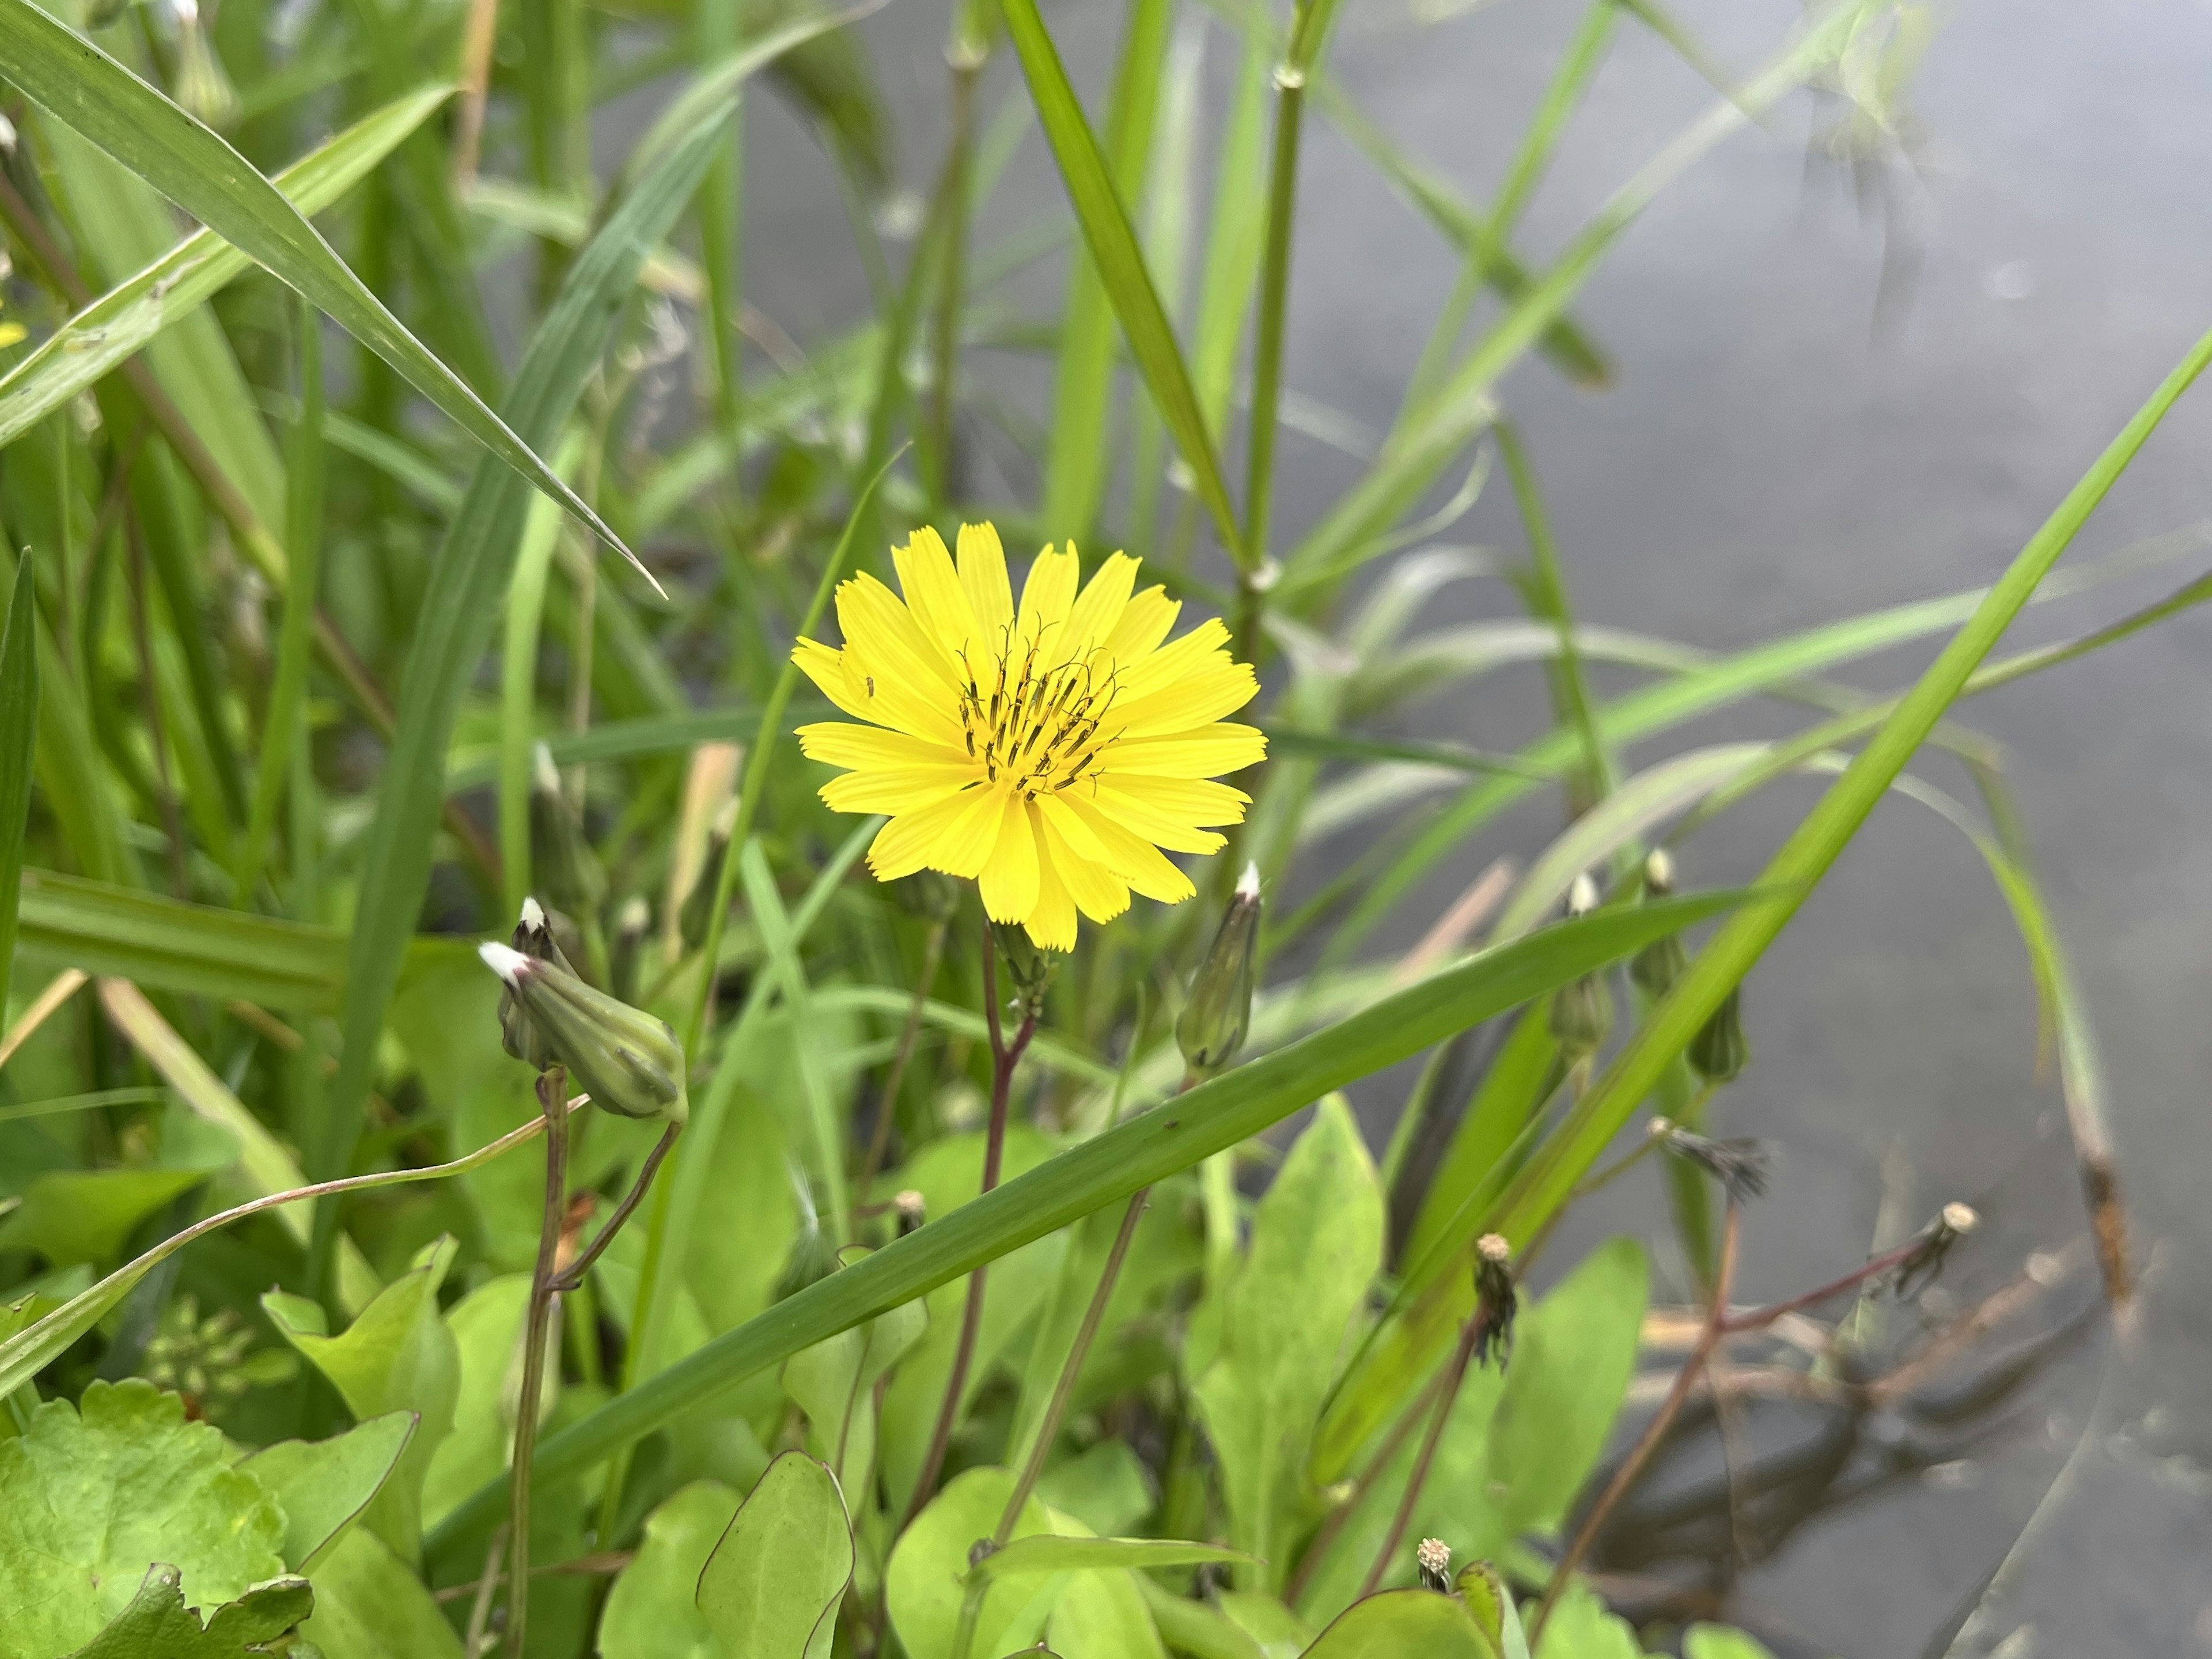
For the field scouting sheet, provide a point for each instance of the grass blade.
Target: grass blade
(1107, 232)
(1207, 1119)
(18, 738)
(188, 163)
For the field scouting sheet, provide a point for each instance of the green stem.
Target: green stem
(966, 56)
(551, 1092)
(1268, 353)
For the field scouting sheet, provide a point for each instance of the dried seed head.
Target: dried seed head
(1213, 1022)
(1434, 1559)
(1961, 1218)
(912, 1210)
(1496, 1299)
(1739, 1165)
(1493, 1248)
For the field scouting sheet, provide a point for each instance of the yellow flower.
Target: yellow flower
(1048, 752)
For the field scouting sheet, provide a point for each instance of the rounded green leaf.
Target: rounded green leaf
(323, 1486)
(1400, 1623)
(925, 1581)
(92, 1495)
(653, 1611)
(770, 1589)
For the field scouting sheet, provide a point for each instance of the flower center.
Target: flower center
(1035, 724)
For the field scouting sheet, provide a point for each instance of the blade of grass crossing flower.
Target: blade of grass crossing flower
(89, 91)
(1113, 244)
(99, 339)
(1821, 837)
(285, 720)
(1428, 436)
(18, 738)
(1083, 383)
(1141, 1150)
(757, 759)
(469, 576)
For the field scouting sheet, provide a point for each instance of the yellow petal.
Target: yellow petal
(896, 789)
(1220, 688)
(877, 622)
(1170, 664)
(903, 846)
(1189, 800)
(1130, 857)
(1139, 816)
(983, 579)
(934, 593)
(1097, 892)
(1009, 880)
(1046, 597)
(1206, 753)
(1144, 622)
(1097, 610)
(870, 746)
(1051, 920)
(965, 844)
(826, 666)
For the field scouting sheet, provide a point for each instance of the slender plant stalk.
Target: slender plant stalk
(1005, 1056)
(574, 1276)
(932, 954)
(1317, 1552)
(1654, 1431)
(964, 55)
(1470, 1336)
(550, 1091)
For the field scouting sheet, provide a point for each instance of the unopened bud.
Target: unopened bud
(1497, 1300)
(1582, 1017)
(1215, 1019)
(1433, 1558)
(1718, 1052)
(201, 85)
(1582, 896)
(633, 922)
(559, 853)
(532, 938)
(911, 1209)
(691, 921)
(1656, 967)
(1030, 969)
(629, 1061)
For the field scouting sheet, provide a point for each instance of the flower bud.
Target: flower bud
(532, 938)
(559, 853)
(1582, 1009)
(1656, 967)
(1718, 1052)
(1433, 1558)
(201, 85)
(629, 1061)
(633, 922)
(1213, 1023)
(1030, 969)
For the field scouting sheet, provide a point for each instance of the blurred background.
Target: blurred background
(1836, 389)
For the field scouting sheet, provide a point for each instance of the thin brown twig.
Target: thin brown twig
(573, 1275)
(1633, 1466)
(594, 1565)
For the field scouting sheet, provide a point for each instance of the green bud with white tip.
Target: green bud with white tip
(532, 938)
(560, 854)
(629, 1062)
(1214, 1021)
(1718, 1052)
(1656, 967)
(1582, 1009)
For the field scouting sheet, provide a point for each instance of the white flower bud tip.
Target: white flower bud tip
(1247, 885)
(508, 964)
(533, 915)
(1493, 1248)
(1961, 1218)
(545, 775)
(1582, 898)
(1659, 871)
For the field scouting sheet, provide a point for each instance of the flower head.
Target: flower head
(1048, 751)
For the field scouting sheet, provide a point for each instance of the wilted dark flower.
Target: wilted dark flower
(1213, 1023)
(1739, 1165)
(1496, 1300)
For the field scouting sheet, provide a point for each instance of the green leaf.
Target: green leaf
(1121, 263)
(1317, 1245)
(71, 1216)
(1102, 1615)
(158, 1625)
(370, 1605)
(1048, 1553)
(1213, 1116)
(1720, 1642)
(487, 1330)
(653, 1611)
(1107, 1488)
(324, 1485)
(104, 102)
(770, 1591)
(928, 1568)
(398, 1356)
(106, 334)
(1581, 1628)
(1401, 1622)
(98, 1491)
(19, 739)
(834, 1383)
(1512, 1089)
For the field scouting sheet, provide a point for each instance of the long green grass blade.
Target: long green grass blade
(1113, 244)
(18, 740)
(100, 338)
(1205, 1119)
(188, 163)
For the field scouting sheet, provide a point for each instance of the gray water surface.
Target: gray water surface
(1775, 455)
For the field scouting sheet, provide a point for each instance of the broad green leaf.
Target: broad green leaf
(370, 1605)
(1121, 263)
(324, 1485)
(70, 1216)
(924, 1582)
(653, 1611)
(1400, 1622)
(770, 1591)
(105, 103)
(1107, 1488)
(1581, 1628)
(1204, 1630)
(1316, 1244)
(157, 1624)
(18, 738)
(98, 1491)
(398, 1356)
(1281, 1633)
(1048, 1553)
(834, 1382)
(1102, 1615)
(106, 333)
(1210, 1118)
(487, 1330)
(1721, 1642)
(458, 610)
(268, 1167)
